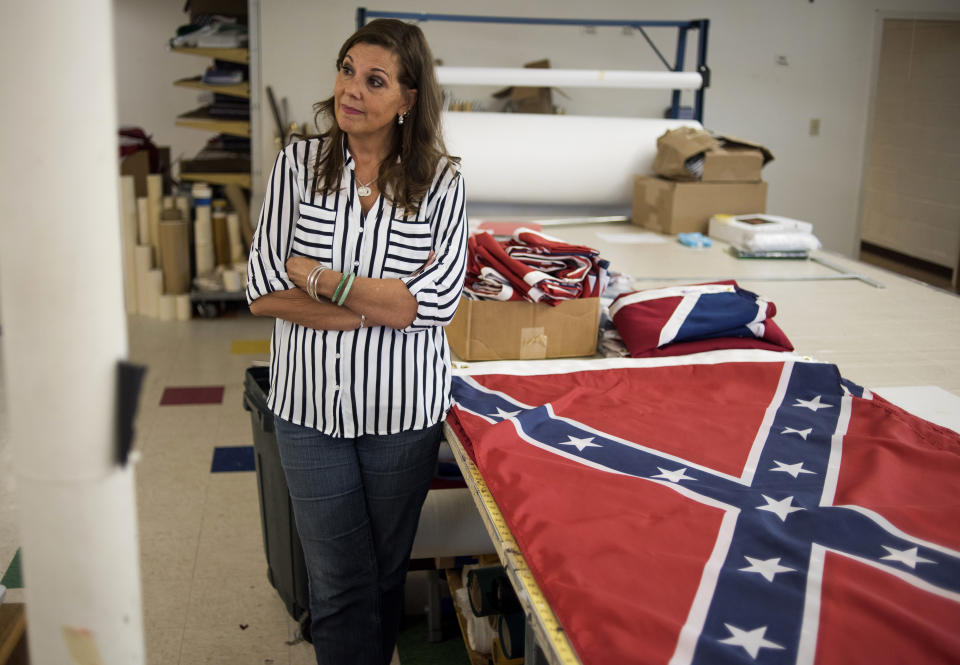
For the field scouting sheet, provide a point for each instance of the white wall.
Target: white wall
(829, 49)
(146, 70)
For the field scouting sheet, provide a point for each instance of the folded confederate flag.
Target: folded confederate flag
(533, 266)
(710, 513)
(702, 317)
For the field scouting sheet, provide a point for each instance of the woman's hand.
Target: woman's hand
(298, 268)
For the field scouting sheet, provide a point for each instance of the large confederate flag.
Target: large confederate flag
(724, 512)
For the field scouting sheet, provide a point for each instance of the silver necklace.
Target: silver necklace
(364, 190)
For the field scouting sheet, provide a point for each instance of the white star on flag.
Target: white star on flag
(780, 508)
(813, 404)
(804, 433)
(579, 443)
(673, 476)
(503, 414)
(793, 469)
(908, 557)
(766, 567)
(751, 640)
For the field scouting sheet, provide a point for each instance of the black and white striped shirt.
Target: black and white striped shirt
(373, 380)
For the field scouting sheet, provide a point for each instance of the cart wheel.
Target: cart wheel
(207, 310)
(305, 627)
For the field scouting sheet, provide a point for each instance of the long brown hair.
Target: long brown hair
(419, 141)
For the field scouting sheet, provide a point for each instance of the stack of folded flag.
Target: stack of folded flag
(532, 266)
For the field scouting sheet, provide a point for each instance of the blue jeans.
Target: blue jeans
(357, 504)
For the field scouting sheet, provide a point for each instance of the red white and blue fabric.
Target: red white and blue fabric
(533, 266)
(710, 512)
(678, 320)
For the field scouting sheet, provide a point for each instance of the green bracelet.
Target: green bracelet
(336, 291)
(346, 290)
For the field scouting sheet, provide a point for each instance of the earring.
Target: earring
(401, 117)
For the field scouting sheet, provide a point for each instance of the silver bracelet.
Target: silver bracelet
(363, 320)
(313, 281)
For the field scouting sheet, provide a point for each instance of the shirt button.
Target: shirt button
(356, 263)
(337, 356)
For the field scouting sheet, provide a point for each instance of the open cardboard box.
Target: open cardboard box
(520, 330)
(725, 158)
(671, 206)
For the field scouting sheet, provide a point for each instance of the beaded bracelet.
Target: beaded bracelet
(346, 289)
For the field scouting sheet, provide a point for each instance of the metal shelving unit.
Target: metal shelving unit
(683, 28)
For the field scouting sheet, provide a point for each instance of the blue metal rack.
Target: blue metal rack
(702, 26)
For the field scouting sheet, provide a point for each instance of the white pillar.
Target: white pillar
(64, 330)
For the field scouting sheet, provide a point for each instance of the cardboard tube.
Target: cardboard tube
(154, 291)
(203, 229)
(143, 259)
(128, 218)
(143, 221)
(154, 200)
(175, 244)
(233, 234)
(221, 237)
(184, 307)
(231, 280)
(182, 204)
(168, 307)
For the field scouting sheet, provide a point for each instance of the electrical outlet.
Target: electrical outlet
(814, 126)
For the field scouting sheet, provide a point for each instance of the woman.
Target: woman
(360, 255)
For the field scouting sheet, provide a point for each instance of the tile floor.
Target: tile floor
(206, 595)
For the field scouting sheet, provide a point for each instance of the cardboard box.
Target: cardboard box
(690, 154)
(519, 330)
(732, 165)
(525, 99)
(671, 206)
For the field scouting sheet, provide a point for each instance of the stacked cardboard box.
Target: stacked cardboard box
(698, 175)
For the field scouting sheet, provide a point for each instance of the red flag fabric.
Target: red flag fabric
(724, 512)
(681, 320)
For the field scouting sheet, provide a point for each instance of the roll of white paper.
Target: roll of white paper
(569, 78)
(528, 158)
(231, 280)
(143, 260)
(204, 257)
(184, 307)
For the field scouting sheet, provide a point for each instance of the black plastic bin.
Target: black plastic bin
(286, 569)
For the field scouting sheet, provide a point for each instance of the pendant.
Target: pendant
(363, 190)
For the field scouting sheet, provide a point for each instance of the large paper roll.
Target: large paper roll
(167, 307)
(233, 235)
(203, 229)
(143, 221)
(221, 236)
(143, 260)
(154, 291)
(184, 307)
(553, 159)
(154, 202)
(128, 219)
(175, 244)
(569, 78)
